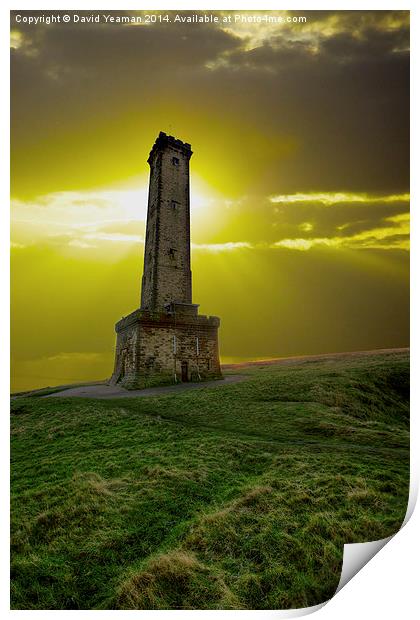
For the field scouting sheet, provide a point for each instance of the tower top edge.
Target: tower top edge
(164, 141)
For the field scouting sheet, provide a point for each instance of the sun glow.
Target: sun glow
(84, 219)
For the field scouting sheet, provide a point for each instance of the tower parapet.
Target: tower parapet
(164, 141)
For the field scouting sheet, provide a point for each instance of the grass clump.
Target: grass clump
(175, 580)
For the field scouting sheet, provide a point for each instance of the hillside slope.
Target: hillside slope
(230, 497)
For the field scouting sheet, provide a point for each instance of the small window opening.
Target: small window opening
(172, 253)
(175, 161)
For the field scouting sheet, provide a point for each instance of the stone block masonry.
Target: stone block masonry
(166, 340)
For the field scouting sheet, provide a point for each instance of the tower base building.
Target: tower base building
(165, 340)
(167, 347)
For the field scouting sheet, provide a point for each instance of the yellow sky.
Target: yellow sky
(300, 191)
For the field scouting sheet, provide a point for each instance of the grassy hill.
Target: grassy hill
(231, 497)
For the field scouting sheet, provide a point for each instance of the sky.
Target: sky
(299, 181)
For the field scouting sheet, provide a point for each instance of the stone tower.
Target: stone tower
(166, 340)
(167, 268)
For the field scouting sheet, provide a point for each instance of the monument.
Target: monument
(165, 340)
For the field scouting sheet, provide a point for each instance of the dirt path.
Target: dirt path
(115, 391)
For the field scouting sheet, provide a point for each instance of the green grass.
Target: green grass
(232, 497)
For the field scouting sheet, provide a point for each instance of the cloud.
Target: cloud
(82, 219)
(314, 28)
(97, 217)
(303, 222)
(393, 234)
(116, 236)
(302, 244)
(73, 355)
(332, 198)
(399, 219)
(77, 243)
(110, 219)
(221, 247)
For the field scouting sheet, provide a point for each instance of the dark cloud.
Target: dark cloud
(347, 105)
(335, 101)
(341, 219)
(356, 22)
(69, 72)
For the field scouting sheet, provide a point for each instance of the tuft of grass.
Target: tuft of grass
(235, 497)
(175, 580)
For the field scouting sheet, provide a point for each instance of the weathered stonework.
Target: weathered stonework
(166, 340)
